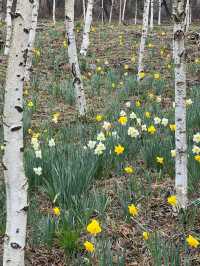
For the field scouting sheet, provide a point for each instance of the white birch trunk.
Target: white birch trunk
(31, 41)
(86, 31)
(159, 12)
(187, 15)
(8, 26)
(124, 9)
(144, 36)
(151, 18)
(120, 11)
(136, 10)
(111, 11)
(73, 58)
(54, 12)
(180, 104)
(15, 179)
(84, 10)
(102, 10)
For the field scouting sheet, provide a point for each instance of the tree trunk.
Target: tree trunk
(111, 11)
(187, 15)
(120, 11)
(54, 12)
(31, 41)
(83, 9)
(136, 10)
(73, 58)
(180, 104)
(159, 12)
(86, 31)
(8, 26)
(1, 10)
(15, 179)
(124, 8)
(102, 11)
(151, 18)
(143, 37)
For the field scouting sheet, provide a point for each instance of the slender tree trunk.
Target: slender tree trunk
(120, 11)
(86, 31)
(15, 179)
(136, 11)
(102, 11)
(187, 15)
(84, 9)
(159, 12)
(54, 12)
(143, 37)
(8, 26)
(1, 10)
(31, 41)
(73, 58)
(151, 18)
(180, 104)
(111, 11)
(124, 8)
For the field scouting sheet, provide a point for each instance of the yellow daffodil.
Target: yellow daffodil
(122, 120)
(55, 117)
(133, 210)
(172, 200)
(192, 241)
(99, 118)
(137, 103)
(151, 129)
(129, 169)
(89, 246)
(197, 158)
(145, 235)
(94, 227)
(30, 104)
(141, 75)
(160, 160)
(119, 149)
(126, 67)
(56, 211)
(147, 115)
(156, 76)
(65, 45)
(172, 127)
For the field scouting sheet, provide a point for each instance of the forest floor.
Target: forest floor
(106, 190)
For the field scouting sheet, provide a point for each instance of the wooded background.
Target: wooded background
(46, 8)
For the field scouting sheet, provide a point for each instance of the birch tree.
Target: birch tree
(143, 37)
(180, 104)
(87, 26)
(187, 15)
(159, 12)
(8, 26)
(120, 11)
(1, 10)
(111, 11)
(54, 12)
(136, 10)
(31, 41)
(83, 9)
(73, 58)
(102, 11)
(123, 12)
(151, 18)
(15, 179)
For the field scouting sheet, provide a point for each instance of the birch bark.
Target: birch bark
(15, 179)
(86, 31)
(159, 12)
(31, 41)
(8, 26)
(143, 37)
(73, 58)
(111, 11)
(187, 15)
(136, 10)
(84, 10)
(124, 9)
(151, 18)
(180, 104)
(54, 12)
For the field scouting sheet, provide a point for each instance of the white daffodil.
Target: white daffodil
(37, 170)
(133, 132)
